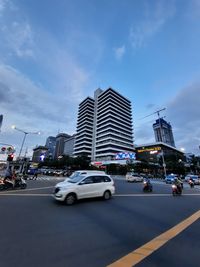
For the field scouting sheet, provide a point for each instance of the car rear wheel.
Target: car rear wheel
(107, 195)
(70, 199)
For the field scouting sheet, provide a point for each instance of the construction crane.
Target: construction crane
(156, 112)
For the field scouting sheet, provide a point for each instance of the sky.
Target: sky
(53, 54)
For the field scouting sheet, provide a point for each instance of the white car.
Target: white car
(134, 177)
(84, 186)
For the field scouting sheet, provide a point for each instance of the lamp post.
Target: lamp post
(24, 138)
(164, 164)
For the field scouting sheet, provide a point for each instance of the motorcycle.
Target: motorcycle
(191, 183)
(10, 184)
(176, 190)
(147, 187)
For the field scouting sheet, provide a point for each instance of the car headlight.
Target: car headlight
(57, 189)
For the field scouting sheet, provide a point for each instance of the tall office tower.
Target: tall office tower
(60, 144)
(1, 121)
(69, 146)
(51, 146)
(110, 125)
(163, 132)
(83, 140)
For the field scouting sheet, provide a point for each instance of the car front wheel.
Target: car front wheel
(70, 199)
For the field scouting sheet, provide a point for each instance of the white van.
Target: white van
(84, 186)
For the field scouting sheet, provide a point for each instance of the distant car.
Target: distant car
(134, 177)
(195, 178)
(58, 172)
(169, 179)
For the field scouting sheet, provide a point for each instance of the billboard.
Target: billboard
(125, 155)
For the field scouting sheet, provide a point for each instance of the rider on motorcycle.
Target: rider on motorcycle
(147, 184)
(178, 183)
(10, 176)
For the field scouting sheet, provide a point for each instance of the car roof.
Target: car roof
(99, 174)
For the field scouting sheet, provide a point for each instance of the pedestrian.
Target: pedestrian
(35, 175)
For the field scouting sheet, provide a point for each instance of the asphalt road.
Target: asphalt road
(38, 232)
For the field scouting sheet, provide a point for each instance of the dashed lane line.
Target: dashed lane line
(117, 195)
(25, 190)
(154, 195)
(147, 249)
(26, 195)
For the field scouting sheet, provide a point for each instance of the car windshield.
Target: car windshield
(76, 179)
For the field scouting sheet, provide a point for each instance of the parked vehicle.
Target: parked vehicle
(134, 177)
(176, 190)
(58, 172)
(84, 186)
(147, 186)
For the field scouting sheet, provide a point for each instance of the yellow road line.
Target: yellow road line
(144, 251)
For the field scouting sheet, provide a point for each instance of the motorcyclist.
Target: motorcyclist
(191, 182)
(10, 176)
(8, 173)
(178, 183)
(147, 183)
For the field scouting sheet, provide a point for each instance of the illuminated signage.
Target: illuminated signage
(149, 149)
(125, 155)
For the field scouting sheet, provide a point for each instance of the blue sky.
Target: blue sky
(55, 53)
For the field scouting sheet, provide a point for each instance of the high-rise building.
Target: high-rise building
(83, 141)
(69, 146)
(60, 141)
(163, 132)
(104, 126)
(1, 121)
(51, 146)
(39, 153)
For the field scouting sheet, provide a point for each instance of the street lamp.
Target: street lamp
(25, 134)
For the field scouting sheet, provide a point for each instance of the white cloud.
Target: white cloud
(119, 52)
(33, 108)
(154, 19)
(184, 115)
(18, 37)
(16, 33)
(2, 5)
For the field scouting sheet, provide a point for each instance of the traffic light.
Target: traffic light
(10, 157)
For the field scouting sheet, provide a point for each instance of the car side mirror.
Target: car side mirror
(81, 183)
